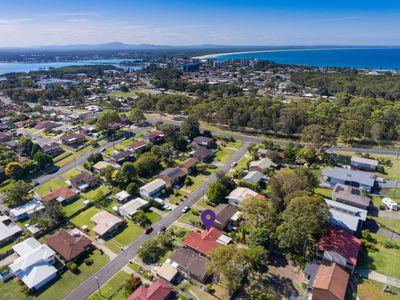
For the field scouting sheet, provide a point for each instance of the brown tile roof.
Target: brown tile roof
(188, 163)
(332, 279)
(67, 246)
(62, 192)
(158, 290)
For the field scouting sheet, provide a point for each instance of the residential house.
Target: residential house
(137, 146)
(238, 195)
(46, 125)
(261, 165)
(122, 196)
(4, 137)
(345, 216)
(254, 177)
(84, 181)
(73, 139)
(62, 195)
(132, 207)
(203, 141)
(203, 154)
(52, 149)
(350, 195)
(158, 290)
(190, 264)
(123, 156)
(189, 164)
(152, 137)
(223, 215)
(152, 189)
(34, 266)
(100, 166)
(172, 175)
(330, 283)
(263, 152)
(203, 243)
(340, 247)
(9, 231)
(105, 223)
(167, 272)
(362, 163)
(23, 211)
(361, 179)
(67, 246)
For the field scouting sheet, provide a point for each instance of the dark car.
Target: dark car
(161, 229)
(36, 183)
(148, 230)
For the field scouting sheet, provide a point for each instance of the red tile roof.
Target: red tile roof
(137, 144)
(68, 246)
(63, 192)
(342, 243)
(159, 290)
(152, 134)
(204, 242)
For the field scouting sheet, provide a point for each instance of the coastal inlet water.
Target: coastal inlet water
(373, 58)
(27, 67)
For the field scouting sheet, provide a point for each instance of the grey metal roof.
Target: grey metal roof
(365, 178)
(366, 161)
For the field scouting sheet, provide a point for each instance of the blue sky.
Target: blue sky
(177, 22)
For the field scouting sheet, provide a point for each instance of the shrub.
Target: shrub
(382, 207)
(132, 283)
(72, 266)
(88, 261)
(196, 211)
(148, 275)
(208, 288)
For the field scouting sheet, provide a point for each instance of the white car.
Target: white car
(380, 179)
(234, 164)
(102, 150)
(185, 209)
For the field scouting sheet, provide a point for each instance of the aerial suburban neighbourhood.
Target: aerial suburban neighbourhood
(204, 172)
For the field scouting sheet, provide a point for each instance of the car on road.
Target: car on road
(167, 207)
(161, 229)
(234, 164)
(148, 230)
(185, 209)
(36, 183)
(380, 180)
(102, 149)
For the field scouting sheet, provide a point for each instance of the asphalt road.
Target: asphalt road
(113, 267)
(254, 139)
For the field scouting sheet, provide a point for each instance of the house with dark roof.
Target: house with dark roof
(223, 215)
(172, 175)
(123, 156)
(189, 164)
(62, 195)
(84, 181)
(52, 149)
(361, 179)
(190, 264)
(203, 154)
(203, 141)
(68, 246)
(73, 139)
(4, 137)
(340, 247)
(153, 137)
(350, 195)
(330, 283)
(158, 290)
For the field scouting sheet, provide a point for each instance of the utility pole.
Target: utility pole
(98, 285)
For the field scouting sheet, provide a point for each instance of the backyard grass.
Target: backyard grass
(53, 184)
(94, 195)
(71, 173)
(223, 154)
(73, 207)
(111, 287)
(120, 94)
(384, 260)
(84, 218)
(326, 193)
(372, 290)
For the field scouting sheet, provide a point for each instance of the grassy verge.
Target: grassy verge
(111, 287)
(53, 184)
(368, 289)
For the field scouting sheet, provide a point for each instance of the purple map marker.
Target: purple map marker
(208, 218)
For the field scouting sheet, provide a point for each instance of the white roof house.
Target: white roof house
(254, 177)
(262, 164)
(34, 264)
(131, 207)
(238, 195)
(23, 211)
(8, 229)
(346, 216)
(122, 196)
(152, 189)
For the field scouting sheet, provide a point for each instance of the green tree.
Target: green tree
(147, 165)
(350, 130)
(51, 215)
(132, 189)
(150, 251)
(136, 116)
(141, 218)
(18, 193)
(318, 136)
(258, 258)
(14, 170)
(190, 127)
(127, 174)
(105, 118)
(42, 160)
(217, 192)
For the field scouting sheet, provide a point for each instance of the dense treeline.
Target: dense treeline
(348, 118)
(368, 86)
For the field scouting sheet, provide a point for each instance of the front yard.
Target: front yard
(73, 207)
(53, 184)
(84, 218)
(113, 289)
(368, 289)
(223, 154)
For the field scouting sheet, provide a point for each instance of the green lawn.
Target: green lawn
(197, 181)
(326, 193)
(53, 184)
(74, 155)
(189, 218)
(120, 94)
(393, 224)
(372, 290)
(58, 289)
(94, 194)
(177, 233)
(71, 173)
(384, 261)
(203, 203)
(224, 154)
(176, 196)
(394, 194)
(112, 287)
(84, 218)
(236, 144)
(73, 207)
(125, 236)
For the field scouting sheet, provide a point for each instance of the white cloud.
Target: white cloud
(14, 21)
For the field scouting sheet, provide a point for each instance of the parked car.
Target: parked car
(185, 209)
(380, 180)
(36, 183)
(161, 229)
(102, 149)
(148, 230)
(234, 164)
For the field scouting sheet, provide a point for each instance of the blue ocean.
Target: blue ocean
(372, 58)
